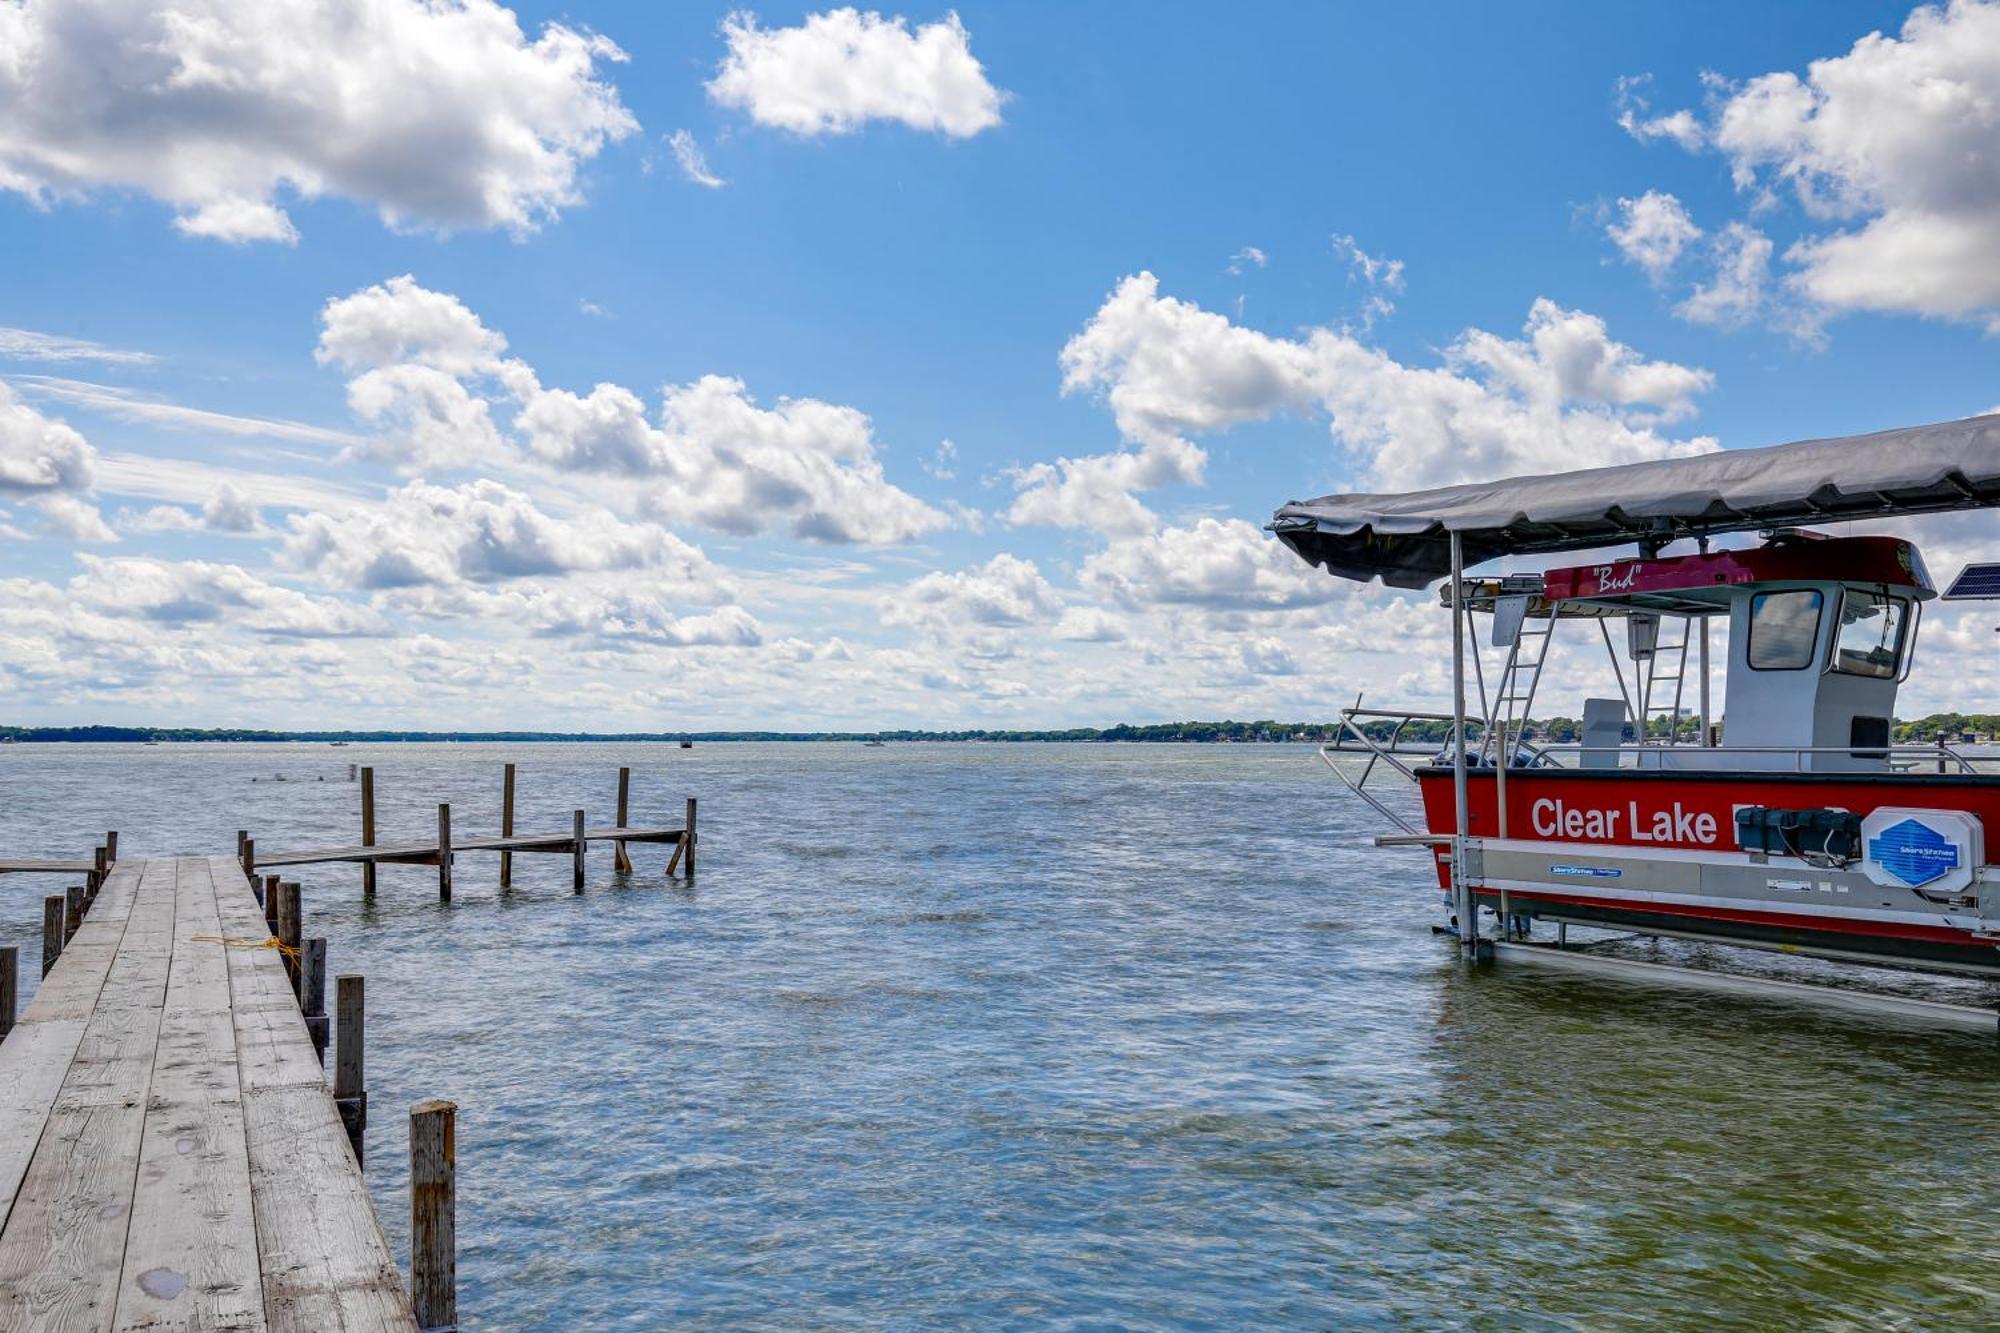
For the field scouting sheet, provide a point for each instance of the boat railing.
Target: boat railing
(1353, 739)
(1387, 750)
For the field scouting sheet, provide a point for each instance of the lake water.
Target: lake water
(1093, 1036)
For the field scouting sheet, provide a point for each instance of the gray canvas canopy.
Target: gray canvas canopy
(1404, 539)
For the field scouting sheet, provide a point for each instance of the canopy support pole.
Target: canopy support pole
(1705, 741)
(1463, 901)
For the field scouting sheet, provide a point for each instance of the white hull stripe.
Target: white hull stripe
(1585, 889)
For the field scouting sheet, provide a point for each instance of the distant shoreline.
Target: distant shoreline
(1226, 732)
(1186, 732)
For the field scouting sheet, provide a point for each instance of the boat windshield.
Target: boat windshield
(1871, 634)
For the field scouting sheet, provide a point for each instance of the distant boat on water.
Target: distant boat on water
(874, 745)
(687, 745)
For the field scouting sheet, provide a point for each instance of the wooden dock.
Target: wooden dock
(170, 1152)
(46, 867)
(441, 851)
(427, 853)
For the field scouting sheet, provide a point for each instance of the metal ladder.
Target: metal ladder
(1653, 677)
(1514, 691)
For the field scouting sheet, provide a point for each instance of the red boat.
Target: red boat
(1796, 822)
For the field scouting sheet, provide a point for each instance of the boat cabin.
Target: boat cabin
(1820, 632)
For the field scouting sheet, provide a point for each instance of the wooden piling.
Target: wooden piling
(271, 904)
(367, 829)
(290, 928)
(10, 987)
(621, 861)
(444, 853)
(242, 836)
(576, 850)
(433, 1240)
(350, 1089)
(111, 848)
(99, 867)
(312, 992)
(507, 825)
(248, 851)
(687, 839)
(72, 911)
(53, 908)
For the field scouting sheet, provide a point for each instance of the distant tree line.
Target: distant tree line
(1550, 730)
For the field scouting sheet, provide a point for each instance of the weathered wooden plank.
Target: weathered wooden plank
(17, 867)
(273, 1049)
(324, 1261)
(36, 1056)
(191, 1249)
(62, 1249)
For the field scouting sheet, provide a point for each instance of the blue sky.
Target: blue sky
(1217, 262)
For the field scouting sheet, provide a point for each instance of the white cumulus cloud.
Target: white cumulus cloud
(1215, 564)
(39, 453)
(444, 396)
(1652, 231)
(1888, 152)
(481, 532)
(197, 591)
(838, 70)
(438, 115)
(1564, 395)
(1005, 591)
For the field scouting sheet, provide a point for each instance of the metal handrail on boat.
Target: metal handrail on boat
(1903, 757)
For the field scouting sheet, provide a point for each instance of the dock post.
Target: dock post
(312, 992)
(98, 867)
(621, 860)
(111, 848)
(367, 828)
(350, 1091)
(433, 1242)
(10, 986)
(444, 853)
(73, 911)
(289, 930)
(576, 849)
(52, 930)
(242, 836)
(507, 826)
(688, 838)
(249, 852)
(271, 904)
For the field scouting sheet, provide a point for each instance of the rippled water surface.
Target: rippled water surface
(1084, 1035)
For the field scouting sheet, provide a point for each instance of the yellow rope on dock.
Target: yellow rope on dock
(233, 942)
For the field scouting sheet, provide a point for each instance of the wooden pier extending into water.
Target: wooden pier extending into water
(443, 850)
(170, 1153)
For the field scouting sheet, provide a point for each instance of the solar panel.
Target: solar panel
(1975, 583)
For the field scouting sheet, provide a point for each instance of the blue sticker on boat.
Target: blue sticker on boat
(1913, 852)
(1589, 872)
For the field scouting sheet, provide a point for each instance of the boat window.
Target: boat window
(1871, 634)
(1783, 628)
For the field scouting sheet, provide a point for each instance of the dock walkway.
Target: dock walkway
(170, 1155)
